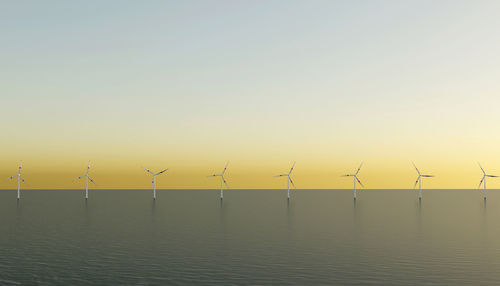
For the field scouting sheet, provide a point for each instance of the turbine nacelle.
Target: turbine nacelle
(420, 176)
(355, 175)
(19, 179)
(18, 176)
(223, 180)
(86, 175)
(288, 175)
(155, 174)
(483, 179)
(289, 179)
(153, 181)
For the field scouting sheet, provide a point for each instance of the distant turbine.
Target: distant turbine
(154, 180)
(483, 180)
(419, 181)
(355, 179)
(19, 179)
(87, 178)
(288, 181)
(222, 180)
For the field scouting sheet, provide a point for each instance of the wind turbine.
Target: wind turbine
(483, 180)
(419, 181)
(288, 181)
(19, 179)
(355, 179)
(87, 178)
(222, 180)
(154, 180)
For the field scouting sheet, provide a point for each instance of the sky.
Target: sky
(190, 85)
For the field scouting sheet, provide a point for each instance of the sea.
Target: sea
(252, 237)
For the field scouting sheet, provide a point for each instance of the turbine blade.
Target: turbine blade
(359, 181)
(291, 181)
(91, 180)
(346, 175)
(416, 168)
(77, 178)
(418, 178)
(291, 169)
(492, 176)
(12, 177)
(147, 170)
(359, 168)
(224, 180)
(480, 183)
(481, 168)
(161, 172)
(21, 179)
(214, 175)
(428, 176)
(225, 167)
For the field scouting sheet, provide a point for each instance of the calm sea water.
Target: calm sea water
(255, 237)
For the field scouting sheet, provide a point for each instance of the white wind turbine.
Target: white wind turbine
(19, 179)
(355, 179)
(87, 178)
(222, 180)
(483, 180)
(288, 181)
(154, 180)
(419, 181)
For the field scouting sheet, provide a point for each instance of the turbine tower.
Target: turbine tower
(222, 180)
(87, 178)
(355, 178)
(483, 180)
(419, 181)
(19, 179)
(154, 180)
(288, 181)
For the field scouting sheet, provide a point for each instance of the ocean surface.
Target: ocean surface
(254, 237)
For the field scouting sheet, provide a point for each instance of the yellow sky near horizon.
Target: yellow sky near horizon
(313, 170)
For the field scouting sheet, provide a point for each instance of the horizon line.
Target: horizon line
(240, 189)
